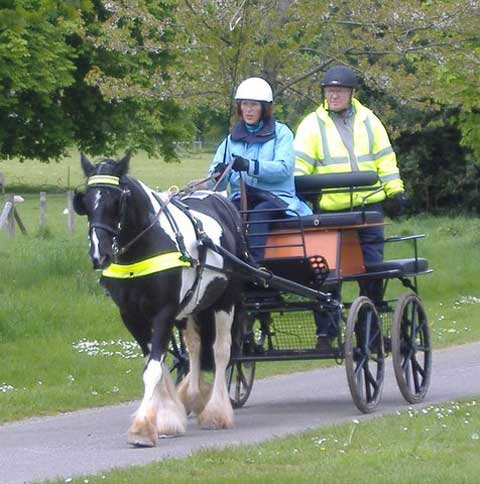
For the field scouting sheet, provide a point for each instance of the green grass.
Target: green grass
(32, 176)
(50, 300)
(439, 443)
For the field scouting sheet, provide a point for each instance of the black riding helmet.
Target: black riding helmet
(341, 76)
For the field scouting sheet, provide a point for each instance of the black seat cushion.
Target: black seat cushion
(329, 219)
(406, 266)
(318, 182)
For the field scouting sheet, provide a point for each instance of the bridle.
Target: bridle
(112, 183)
(115, 183)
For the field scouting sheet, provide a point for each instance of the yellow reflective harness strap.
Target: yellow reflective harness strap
(103, 180)
(159, 263)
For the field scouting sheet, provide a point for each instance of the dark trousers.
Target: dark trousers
(261, 211)
(371, 242)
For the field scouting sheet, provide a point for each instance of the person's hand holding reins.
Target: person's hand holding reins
(240, 163)
(219, 170)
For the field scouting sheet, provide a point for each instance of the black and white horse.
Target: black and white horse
(158, 273)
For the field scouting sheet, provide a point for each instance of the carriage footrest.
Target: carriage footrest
(406, 266)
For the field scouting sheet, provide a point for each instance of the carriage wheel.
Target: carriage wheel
(240, 376)
(364, 354)
(411, 350)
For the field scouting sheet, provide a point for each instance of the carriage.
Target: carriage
(179, 260)
(307, 262)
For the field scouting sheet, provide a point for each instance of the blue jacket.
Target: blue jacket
(272, 162)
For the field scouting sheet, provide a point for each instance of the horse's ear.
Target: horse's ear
(79, 203)
(123, 164)
(88, 168)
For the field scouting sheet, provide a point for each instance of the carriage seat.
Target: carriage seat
(405, 266)
(314, 184)
(333, 219)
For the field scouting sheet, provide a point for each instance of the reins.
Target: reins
(118, 251)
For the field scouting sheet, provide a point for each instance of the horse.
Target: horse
(158, 272)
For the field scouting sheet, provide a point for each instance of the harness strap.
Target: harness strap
(173, 224)
(158, 263)
(108, 228)
(104, 180)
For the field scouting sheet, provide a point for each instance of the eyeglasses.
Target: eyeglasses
(340, 91)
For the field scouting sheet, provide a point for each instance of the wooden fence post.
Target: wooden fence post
(5, 213)
(11, 217)
(70, 211)
(42, 217)
(2, 183)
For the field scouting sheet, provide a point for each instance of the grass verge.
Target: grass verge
(434, 444)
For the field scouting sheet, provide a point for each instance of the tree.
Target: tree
(398, 48)
(417, 63)
(36, 65)
(92, 74)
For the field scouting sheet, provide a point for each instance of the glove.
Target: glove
(218, 170)
(240, 164)
(395, 206)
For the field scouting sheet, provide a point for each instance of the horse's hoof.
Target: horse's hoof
(209, 421)
(140, 441)
(142, 434)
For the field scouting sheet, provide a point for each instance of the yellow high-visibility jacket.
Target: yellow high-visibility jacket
(319, 149)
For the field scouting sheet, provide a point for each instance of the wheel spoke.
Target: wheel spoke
(360, 365)
(238, 387)
(416, 383)
(368, 328)
(406, 370)
(421, 326)
(242, 379)
(417, 367)
(368, 390)
(229, 376)
(376, 335)
(371, 379)
(414, 322)
(407, 359)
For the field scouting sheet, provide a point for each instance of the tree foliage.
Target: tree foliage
(86, 73)
(417, 62)
(106, 76)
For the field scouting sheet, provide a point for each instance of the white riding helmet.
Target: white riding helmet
(254, 89)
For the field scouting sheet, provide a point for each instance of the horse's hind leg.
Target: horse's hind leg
(218, 413)
(192, 390)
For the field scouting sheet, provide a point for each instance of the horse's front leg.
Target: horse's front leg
(218, 413)
(161, 412)
(192, 390)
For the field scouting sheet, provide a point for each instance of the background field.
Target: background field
(62, 343)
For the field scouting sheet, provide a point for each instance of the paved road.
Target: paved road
(91, 441)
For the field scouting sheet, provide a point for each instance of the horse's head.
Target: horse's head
(102, 203)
